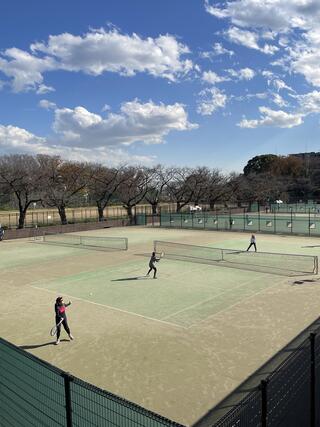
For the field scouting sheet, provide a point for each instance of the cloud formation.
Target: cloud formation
(82, 135)
(95, 53)
(210, 101)
(273, 118)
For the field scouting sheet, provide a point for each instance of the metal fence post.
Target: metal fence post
(291, 220)
(312, 381)
(275, 223)
(264, 402)
(309, 223)
(67, 379)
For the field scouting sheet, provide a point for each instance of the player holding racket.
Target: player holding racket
(152, 261)
(61, 318)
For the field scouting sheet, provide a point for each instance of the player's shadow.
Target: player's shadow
(30, 347)
(131, 278)
(301, 282)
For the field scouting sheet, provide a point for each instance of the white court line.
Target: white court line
(113, 308)
(206, 300)
(233, 305)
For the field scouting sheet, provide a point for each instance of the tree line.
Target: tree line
(54, 182)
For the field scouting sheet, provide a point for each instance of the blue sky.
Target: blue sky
(177, 82)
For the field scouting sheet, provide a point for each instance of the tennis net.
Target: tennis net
(120, 243)
(278, 263)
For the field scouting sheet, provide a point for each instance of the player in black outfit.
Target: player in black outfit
(61, 316)
(152, 261)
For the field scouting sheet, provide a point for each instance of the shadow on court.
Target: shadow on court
(131, 278)
(30, 347)
(301, 282)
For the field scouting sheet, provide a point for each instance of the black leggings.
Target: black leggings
(254, 245)
(152, 267)
(65, 325)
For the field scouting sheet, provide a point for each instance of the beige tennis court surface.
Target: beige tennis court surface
(176, 345)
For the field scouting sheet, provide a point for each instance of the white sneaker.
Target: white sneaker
(71, 337)
(57, 342)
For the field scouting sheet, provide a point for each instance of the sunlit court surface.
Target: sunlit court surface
(177, 344)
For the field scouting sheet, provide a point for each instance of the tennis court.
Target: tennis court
(176, 345)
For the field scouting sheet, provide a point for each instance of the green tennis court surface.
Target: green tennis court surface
(176, 345)
(184, 293)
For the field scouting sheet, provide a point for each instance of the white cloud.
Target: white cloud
(212, 78)
(216, 11)
(293, 24)
(217, 49)
(279, 84)
(99, 51)
(248, 39)
(278, 100)
(309, 102)
(148, 123)
(17, 140)
(242, 74)
(85, 136)
(272, 118)
(277, 15)
(95, 53)
(24, 69)
(42, 89)
(305, 57)
(246, 74)
(47, 105)
(211, 100)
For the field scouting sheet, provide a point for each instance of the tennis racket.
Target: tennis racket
(55, 328)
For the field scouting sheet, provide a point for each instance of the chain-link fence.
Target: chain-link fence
(34, 393)
(286, 396)
(308, 224)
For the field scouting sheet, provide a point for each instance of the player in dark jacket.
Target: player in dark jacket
(152, 261)
(61, 318)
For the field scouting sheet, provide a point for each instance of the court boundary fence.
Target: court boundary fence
(284, 392)
(34, 393)
(272, 223)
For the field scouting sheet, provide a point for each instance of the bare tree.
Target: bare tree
(63, 181)
(103, 185)
(159, 179)
(183, 186)
(133, 188)
(220, 187)
(21, 175)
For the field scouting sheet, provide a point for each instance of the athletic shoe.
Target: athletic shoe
(57, 342)
(71, 337)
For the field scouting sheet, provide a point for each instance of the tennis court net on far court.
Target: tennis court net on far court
(116, 243)
(277, 263)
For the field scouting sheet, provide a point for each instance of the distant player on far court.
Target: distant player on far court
(253, 243)
(152, 261)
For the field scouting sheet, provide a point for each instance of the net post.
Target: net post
(67, 380)
(222, 257)
(316, 265)
(127, 243)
